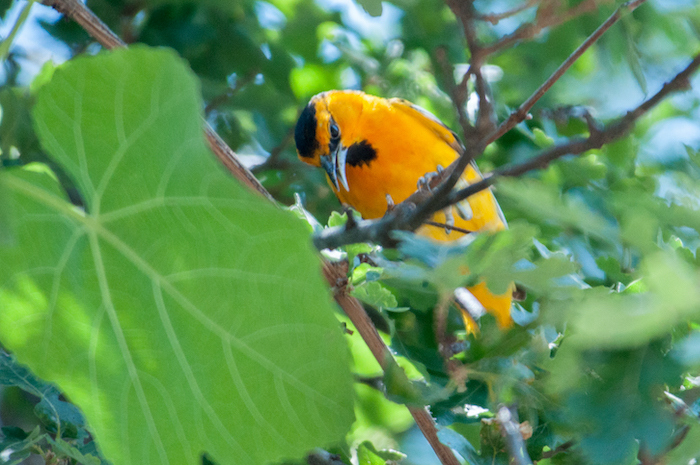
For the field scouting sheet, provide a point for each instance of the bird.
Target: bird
(377, 152)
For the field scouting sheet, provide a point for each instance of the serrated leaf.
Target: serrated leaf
(374, 294)
(168, 312)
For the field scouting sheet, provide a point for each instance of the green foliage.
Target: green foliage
(128, 294)
(180, 315)
(64, 432)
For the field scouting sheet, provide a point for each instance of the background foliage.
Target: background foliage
(602, 365)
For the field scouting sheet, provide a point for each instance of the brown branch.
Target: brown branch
(99, 31)
(547, 17)
(336, 275)
(405, 215)
(495, 18)
(521, 113)
(465, 12)
(458, 93)
(453, 173)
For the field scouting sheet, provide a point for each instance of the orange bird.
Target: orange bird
(375, 151)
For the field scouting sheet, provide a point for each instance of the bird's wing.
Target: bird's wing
(429, 120)
(446, 134)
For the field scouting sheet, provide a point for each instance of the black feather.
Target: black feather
(305, 132)
(360, 153)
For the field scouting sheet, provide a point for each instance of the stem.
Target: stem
(7, 43)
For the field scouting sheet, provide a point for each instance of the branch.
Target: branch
(465, 12)
(521, 113)
(547, 17)
(495, 18)
(405, 215)
(334, 274)
(453, 173)
(597, 138)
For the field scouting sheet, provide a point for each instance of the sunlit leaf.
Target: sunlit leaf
(166, 311)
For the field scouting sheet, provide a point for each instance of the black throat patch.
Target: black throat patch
(305, 132)
(360, 153)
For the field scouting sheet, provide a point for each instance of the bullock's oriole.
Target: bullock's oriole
(375, 151)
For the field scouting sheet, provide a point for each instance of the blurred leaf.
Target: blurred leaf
(605, 319)
(372, 7)
(55, 414)
(460, 444)
(376, 295)
(172, 266)
(16, 447)
(64, 449)
(543, 204)
(366, 455)
(368, 450)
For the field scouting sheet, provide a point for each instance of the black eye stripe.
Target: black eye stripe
(305, 132)
(360, 153)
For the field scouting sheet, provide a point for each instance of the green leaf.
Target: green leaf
(541, 139)
(16, 448)
(64, 449)
(367, 455)
(605, 319)
(456, 441)
(376, 295)
(58, 416)
(372, 7)
(182, 313)
(544, 204)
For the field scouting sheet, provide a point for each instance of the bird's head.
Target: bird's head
(326, 129)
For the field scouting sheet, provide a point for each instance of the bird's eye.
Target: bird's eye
(335, 132)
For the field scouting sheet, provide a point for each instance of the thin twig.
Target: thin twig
(465, 12)
(403, 216)
(222, 98)
(273, 161)
(458, 93)
(597, 138)
(521, 113)
(99, 31)
(548, 454)
(495, 18)
(547, 17)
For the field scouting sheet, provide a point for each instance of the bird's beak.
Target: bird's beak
(334, 164)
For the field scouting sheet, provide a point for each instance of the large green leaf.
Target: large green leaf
(182, 313)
